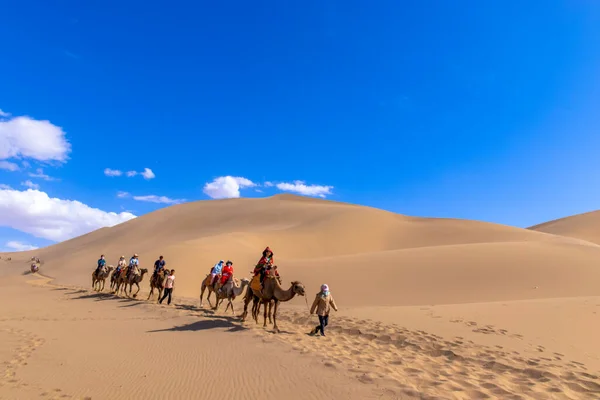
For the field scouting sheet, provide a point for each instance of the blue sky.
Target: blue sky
(468, 110)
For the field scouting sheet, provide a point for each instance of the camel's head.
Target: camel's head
(144, 271)
(111, 267)
(298, 288)
(245, 281)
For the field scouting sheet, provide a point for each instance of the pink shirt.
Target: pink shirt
(170, 280)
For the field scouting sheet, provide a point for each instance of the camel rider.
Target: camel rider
(226, 274)
(265, 264)
(216, 271)
(101, 263)
(120, 265)
(158, 266)
(133, 266)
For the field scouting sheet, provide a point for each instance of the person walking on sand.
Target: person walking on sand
(323, 304)
(169, 287)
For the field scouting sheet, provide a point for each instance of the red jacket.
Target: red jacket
(226, 273)
(261, 263)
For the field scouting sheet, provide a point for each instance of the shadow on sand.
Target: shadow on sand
(215, 322)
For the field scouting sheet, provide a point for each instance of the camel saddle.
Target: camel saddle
(255, 284)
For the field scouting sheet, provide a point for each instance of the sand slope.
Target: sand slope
(401, 260)
(584, 226)
(430, 309)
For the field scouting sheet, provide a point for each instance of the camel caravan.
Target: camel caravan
(264, 288)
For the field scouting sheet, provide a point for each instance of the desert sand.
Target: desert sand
(429, 308)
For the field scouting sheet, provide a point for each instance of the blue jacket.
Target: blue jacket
(217, 268)
(101, 263)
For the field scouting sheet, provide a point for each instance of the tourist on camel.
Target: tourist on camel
(134, 263)
(226, 274)
(158, 266)
(120, 265)
(101, 263)
(216, 271)
(265, 264)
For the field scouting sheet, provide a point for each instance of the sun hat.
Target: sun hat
(324, 287)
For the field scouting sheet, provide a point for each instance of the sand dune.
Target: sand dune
(584, 226)
(417, 260)
(431, 308)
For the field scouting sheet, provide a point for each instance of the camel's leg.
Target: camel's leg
(102, 290)
(256, 303)
(152, 292)
(247, 300)
(160, 293)
(230, 304)
(275, 327)
(138, 286)
(202, 289)
(270, 310)
(208, 298)
(219, 301)
(265, 316)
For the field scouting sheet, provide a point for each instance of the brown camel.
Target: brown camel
(256, 301)
(135, 279)
(158, 282)
(113, 279)
(274, 292)
(120, 281)
(211, 288)
(230, 291)
(100, 277)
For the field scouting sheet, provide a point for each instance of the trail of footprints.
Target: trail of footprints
(417, 364)
(20, 355)
(30, 343)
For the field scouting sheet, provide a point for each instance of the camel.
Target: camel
(113, 279)
(211, 288)
(98, 278)
(158, 282)
(230, 291)
(256, 302)
(273, 292)
(135, 280)
(119, 281)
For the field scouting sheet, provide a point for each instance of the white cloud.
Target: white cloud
(9, 166)
(4, 114)
(158, 199)
(4, 187)
(25, 164)
(112, 172)
(36, 213)
(24, 137)
(307, 190)
(39, 173)
(122, 195)
(30, 185)
(19, 246)
(226, 187)
(269, 184)
(148, 174)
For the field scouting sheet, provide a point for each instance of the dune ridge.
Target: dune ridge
(314, 240)
(585, 226)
